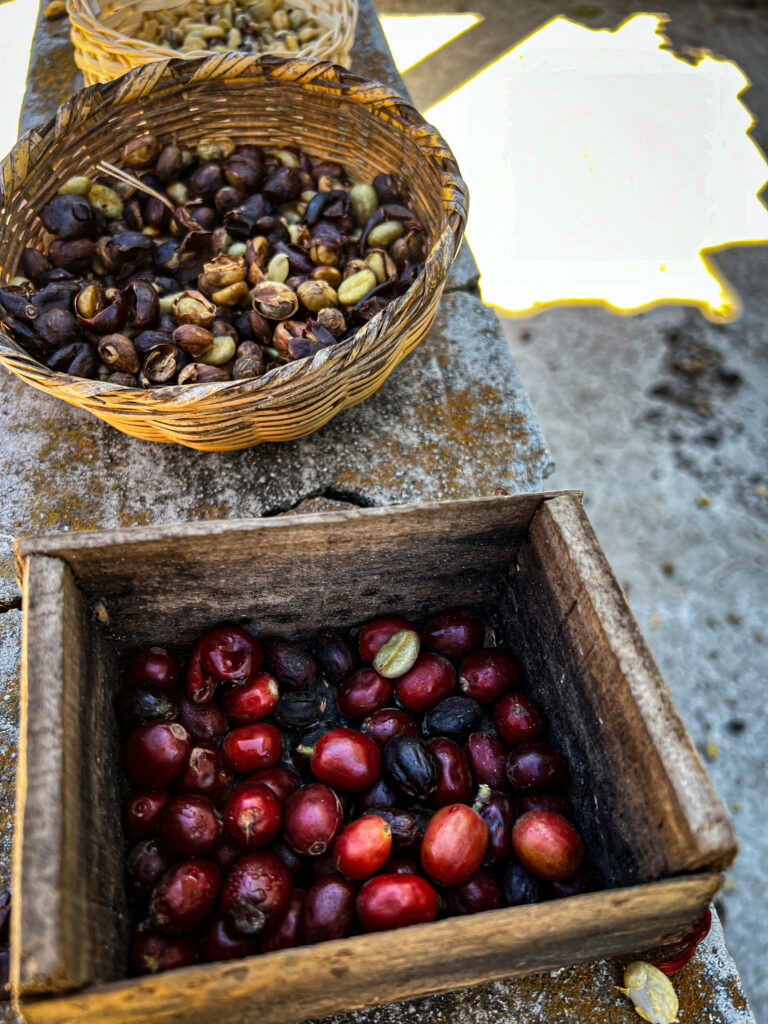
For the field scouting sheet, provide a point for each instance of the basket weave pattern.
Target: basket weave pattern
(270, 102)
(106, 46)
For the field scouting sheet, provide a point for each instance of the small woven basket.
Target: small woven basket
(104, 36)
(269, 102)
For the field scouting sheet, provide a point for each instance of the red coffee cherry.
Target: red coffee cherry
(150, 952)
(453, 634)
(282, 932)
(547, 845)
(153, 665)
(454, 845)
(252, 701)
(454, 785)
(189, 826)
(535, 767)
(517, 719)
(345, 759)
(394, 901)
(252, 814)
(184, 896)
(328, 910)
(252, 747)
(206, 773)
(255, 891)
(363, 692)
(488, 674)
(312, 819)
(432, 679)
(378, 632)
(363, 847)
(487, 761)
(155, 754)
(141, 812)
(385, 723)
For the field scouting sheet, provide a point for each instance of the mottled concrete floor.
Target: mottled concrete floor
(662, 420)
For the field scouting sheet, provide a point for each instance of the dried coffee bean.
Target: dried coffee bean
(291, 665)
(411, 765)
(455, 717)
(300, 710)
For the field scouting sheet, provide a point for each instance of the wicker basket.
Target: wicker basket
(266, 101)
(106, 46)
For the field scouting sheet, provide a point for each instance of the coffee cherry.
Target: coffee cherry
(153, 665)
(139, 703)
(432, 679)
(301, 868)
(488, 674)
(282, 932)
(454, 845)
(292, 666)
(480, 893)
(405, 827)
(189, 827)
(141, 812)
(256, 890)
(229, 653)
(577, 883)
(204, 721)
(346, 760)
(145, 866)
(535, 767)
(547, 845)
(328, 910)
(252, 814)
(385, 723)
(363, 847)
(226, 853)
(400, 866)
(499, 814)
(206, 773)
(487, 761)
(300, 710)
(455, 718)
(252, 701)
(453, 634)
(378, 632)
(220, 942)
(394, 901)
(363, 692)
(519, 886)
(335, 655)
(252, 747)
(383, 793)
(411, 765)
(454, 784)
(312, 819)
(282, 781)
(517, 719)
(184, 896)
(150, 952)
(155, 754)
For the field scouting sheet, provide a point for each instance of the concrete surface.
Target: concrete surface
(661, 419)
(453, 420)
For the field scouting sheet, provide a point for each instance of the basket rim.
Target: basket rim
(84, 16)
(380, 100)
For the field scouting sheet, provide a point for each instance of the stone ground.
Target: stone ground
(595, 383)
(661, 420)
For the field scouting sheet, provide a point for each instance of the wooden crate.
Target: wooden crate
(653, 825)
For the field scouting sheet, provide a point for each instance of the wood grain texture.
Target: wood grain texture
(167, 584)
(633, 763)
(267, 101)
(67, 874)
(106, 44)
(295, 984)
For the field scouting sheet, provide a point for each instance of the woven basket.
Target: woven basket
(106, 46)
(270, 102)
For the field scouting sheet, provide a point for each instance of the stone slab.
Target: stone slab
(453, 420)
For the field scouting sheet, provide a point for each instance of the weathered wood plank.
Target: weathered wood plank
(67, 876)
(633, 762)
(167, 584)
(295, 984)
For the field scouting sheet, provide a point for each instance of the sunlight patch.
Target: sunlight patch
(602, 168)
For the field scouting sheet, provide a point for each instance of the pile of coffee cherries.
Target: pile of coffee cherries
(209, 264)
(284, 797)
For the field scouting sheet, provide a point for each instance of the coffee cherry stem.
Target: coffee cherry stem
(305, 750)
(482, 798)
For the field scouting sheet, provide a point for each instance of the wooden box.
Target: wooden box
(654, 828)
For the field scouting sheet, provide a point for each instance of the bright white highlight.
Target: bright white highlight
(412, 37)
(603, 168)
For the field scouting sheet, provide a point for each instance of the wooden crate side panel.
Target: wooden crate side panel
(645, 777)
(67, 855)
(296, 984)
(169, 584)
